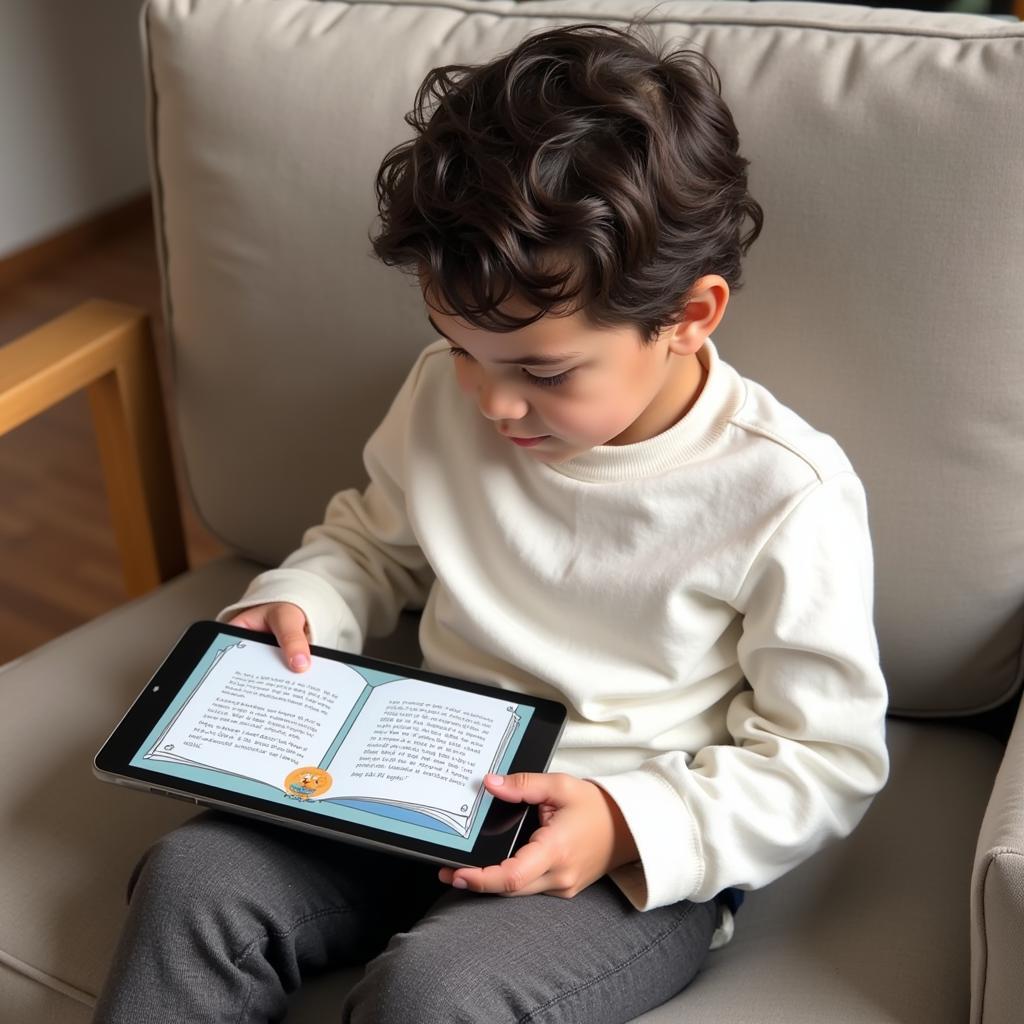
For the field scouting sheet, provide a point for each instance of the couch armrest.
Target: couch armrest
(108, 349)
(997, 894)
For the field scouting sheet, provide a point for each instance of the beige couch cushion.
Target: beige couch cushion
(883, 298)
(997, 896)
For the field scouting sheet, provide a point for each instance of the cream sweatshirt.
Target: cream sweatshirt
(701, 602)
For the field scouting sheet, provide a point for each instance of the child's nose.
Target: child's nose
(500, 401)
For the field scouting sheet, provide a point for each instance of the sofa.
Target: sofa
(883, 301)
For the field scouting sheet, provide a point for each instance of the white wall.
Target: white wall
(72, 134)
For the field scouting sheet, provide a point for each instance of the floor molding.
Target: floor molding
(24, 263)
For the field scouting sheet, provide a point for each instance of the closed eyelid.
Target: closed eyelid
(553, 381)
(530, 360)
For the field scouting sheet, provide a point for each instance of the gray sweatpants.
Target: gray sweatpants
(227, 915)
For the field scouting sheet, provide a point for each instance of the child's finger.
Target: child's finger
(241, 620)
(529, 787)
(525, 874)
(288, 623)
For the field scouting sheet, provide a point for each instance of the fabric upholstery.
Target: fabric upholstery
(883, 299)
(26, 1000)
(997, 896)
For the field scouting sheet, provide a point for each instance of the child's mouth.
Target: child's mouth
(528, 442)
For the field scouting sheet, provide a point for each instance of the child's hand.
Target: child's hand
(582, 837)
(287, 622)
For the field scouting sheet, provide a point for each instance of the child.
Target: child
(588, 504)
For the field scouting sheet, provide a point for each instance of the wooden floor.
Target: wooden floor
(59, 564)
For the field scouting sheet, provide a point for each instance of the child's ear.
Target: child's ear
(703, 312)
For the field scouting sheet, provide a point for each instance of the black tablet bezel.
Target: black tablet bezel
(501, 827)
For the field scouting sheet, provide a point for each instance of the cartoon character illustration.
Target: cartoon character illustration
(307, 782)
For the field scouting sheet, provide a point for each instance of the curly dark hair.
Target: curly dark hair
(583, 170)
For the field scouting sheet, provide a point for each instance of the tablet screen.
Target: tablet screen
(341, 740)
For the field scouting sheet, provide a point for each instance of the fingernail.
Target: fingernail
(496, 780)
(459, 883)
(299, 662)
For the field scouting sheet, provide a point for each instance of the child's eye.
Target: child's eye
(543, 382)
(548, 382)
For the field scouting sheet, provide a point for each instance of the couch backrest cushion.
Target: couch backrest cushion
(884, 300)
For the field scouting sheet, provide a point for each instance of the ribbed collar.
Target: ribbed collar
(721, 397)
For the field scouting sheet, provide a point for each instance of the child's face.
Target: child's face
(574, 386)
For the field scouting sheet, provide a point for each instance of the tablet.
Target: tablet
(354, 748)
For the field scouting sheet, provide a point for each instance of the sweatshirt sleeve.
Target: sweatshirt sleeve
(808, 751)
(358, 569)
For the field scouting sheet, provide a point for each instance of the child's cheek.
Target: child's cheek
(582, 417)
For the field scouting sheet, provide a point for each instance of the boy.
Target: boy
(589, 505)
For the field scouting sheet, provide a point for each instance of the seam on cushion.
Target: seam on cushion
(614, 970)
(47, 980)
(681, 19)
(153, 154)
(1016, 683)
(163, 256)
(991, 857)
(983, 952)
(8, 665)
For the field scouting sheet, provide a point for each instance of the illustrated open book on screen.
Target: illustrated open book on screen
(340, 735)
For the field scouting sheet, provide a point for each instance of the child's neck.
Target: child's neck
(671, 404)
